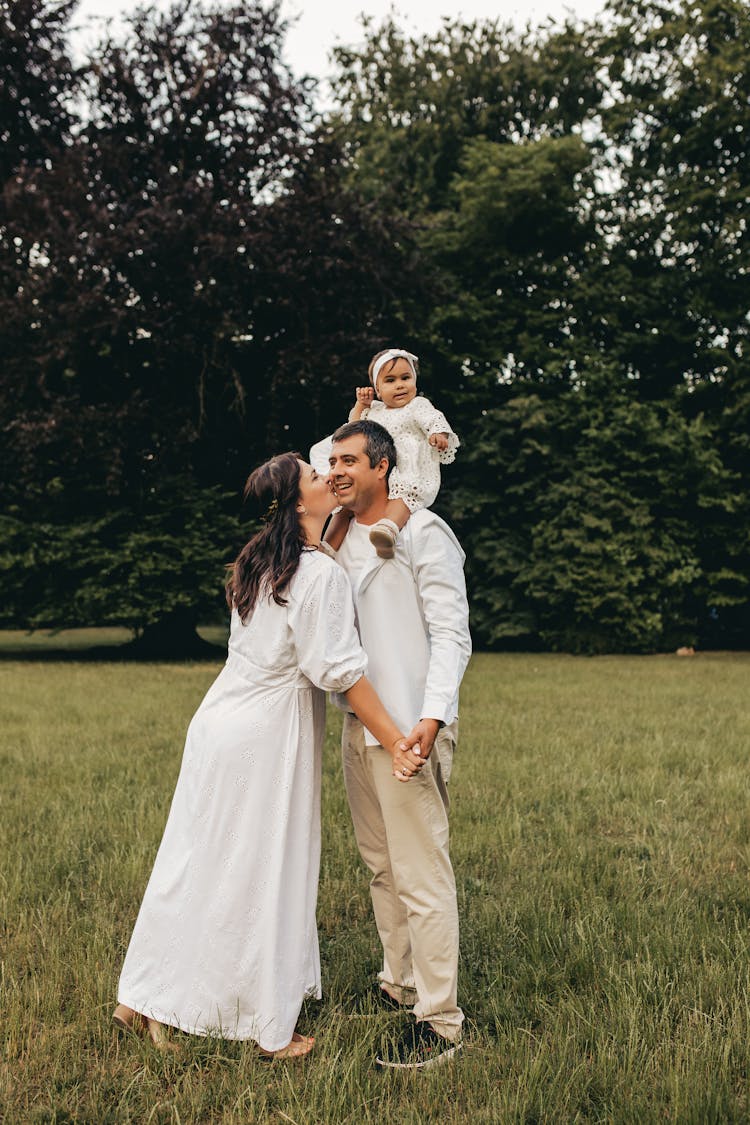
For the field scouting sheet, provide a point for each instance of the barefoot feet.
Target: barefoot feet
(128, 1020)
(299, 1046)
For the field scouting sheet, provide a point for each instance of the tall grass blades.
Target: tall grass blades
(601, 841)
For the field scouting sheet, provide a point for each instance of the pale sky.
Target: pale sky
(321, 24)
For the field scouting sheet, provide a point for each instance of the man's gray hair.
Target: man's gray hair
(378, 442)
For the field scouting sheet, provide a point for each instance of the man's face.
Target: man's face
(355, 482)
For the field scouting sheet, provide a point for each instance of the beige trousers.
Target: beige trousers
(402, 834)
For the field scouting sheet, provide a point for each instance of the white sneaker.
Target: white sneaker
(383, 535)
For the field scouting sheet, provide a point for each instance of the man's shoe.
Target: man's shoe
(418, 1048)
(388, 1001)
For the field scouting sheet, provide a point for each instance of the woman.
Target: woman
(225, 942)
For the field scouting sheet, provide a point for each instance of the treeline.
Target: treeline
(196, 267)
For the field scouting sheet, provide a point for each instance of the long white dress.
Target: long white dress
(226, 942)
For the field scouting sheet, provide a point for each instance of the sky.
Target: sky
(321, 24)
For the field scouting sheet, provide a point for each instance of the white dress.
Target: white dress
(416, 477)
(226, 942)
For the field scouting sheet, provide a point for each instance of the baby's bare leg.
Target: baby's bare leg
(337, 528)
(397, 511)
(384, 533)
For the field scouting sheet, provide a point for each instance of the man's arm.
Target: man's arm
(437, 563)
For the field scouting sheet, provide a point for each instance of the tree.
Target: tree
(679, 121)
(477, 133)
(594, 538)
(406, 108)
(188, 284)
(37, 81)
(583, 224)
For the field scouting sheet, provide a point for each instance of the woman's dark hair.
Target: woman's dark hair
(272, 556)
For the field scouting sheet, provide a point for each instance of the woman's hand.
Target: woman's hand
(406, 761)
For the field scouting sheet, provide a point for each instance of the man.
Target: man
(413, 622)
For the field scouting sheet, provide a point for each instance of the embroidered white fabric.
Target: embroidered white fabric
(226, 941)
(416, 478)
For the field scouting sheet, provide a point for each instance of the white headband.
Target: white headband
(386, 357)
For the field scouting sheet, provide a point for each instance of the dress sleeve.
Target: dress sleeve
(321, 618)
(375, 411)
(433, 421)
(319, 454)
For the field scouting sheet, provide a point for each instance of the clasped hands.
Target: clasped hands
(409, 754)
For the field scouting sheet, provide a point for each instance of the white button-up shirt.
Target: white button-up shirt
(413, 618)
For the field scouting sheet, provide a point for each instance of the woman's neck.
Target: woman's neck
(312, 529)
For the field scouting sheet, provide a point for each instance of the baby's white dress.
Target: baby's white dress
(226, 941)
(416, 478)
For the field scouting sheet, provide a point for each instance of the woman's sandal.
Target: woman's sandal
(299, 1046)
(127, 1020)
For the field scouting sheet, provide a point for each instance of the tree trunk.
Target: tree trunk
(173, 637)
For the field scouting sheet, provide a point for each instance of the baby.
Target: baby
(423, 439)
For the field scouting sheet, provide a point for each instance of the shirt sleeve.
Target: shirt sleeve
(321, 618)
(433, 421)
(439, 574)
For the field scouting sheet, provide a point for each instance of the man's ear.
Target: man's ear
(383, 467)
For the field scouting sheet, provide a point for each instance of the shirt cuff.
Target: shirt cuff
(437, 709)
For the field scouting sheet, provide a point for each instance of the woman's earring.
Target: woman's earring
(302, 510)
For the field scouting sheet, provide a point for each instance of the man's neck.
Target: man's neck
(372, 513)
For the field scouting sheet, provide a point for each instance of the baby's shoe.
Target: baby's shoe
(383, 535)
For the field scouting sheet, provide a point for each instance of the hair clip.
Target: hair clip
(273, 508)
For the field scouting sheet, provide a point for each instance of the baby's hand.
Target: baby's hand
(365, 396)
(440, 441)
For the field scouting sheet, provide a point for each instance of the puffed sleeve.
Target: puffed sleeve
(321, 618)
(433, 421)
(319, 454)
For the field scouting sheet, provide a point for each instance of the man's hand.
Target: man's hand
(424, 734)
(440, 441)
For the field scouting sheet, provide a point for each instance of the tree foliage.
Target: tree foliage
(186, 284)
(37, 79)
(585, 221)
(195, 271)
(596, 539)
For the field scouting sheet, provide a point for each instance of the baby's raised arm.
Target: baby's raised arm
(364, 400)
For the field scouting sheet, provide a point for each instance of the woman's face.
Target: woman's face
(315, 494)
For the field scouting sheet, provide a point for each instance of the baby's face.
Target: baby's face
(396, 385)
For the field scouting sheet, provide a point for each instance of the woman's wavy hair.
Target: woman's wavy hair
(269, 561)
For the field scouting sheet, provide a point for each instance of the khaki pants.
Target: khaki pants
(402, 835)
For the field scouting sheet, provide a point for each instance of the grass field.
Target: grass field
(601, 840)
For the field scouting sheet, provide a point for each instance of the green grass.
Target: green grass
(601, 840)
